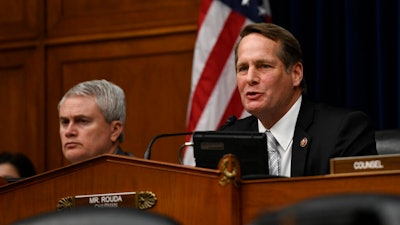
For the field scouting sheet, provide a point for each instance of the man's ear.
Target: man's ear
(297, 74)
(116, 130)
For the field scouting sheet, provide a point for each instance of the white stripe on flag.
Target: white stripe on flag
(206, 39)
(219, 99)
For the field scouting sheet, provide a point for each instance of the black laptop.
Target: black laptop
(249, 147)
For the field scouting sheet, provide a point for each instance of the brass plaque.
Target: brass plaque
(140, 200)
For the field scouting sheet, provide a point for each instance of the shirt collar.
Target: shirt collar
(283, 130)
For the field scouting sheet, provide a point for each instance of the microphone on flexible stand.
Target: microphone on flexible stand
(228, 122)
(147, 154)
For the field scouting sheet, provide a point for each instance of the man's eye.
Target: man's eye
(64, 122)
(83, 121)
(242, 68)
(265, 66)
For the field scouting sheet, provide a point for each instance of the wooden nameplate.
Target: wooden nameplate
(370, 163)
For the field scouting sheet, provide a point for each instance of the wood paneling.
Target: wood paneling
(146, 47)
(20, 20)
(154, 73)
(77, 17)
(22, 104)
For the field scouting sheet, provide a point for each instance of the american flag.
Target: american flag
(214, 96)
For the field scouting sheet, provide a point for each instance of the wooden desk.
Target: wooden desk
(262, 195)
(3, 181)
(190, 195)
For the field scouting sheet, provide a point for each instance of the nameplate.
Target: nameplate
(365, 164)
(140, 200)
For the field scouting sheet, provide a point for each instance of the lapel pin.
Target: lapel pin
(303, 142)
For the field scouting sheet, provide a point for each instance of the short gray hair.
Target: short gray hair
(109, 97)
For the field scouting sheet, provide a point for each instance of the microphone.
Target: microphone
(228, 122)
(147, 154)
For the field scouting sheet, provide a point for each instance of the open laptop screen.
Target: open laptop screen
(249, 147)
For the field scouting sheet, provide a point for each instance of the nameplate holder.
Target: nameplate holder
(371, 163)
(141, 200)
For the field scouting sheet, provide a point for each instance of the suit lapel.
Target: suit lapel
(301, 139)
(300, 148)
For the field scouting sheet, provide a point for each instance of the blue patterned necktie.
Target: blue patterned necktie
(274, 158)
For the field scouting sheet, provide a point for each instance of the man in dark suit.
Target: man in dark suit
(269, 73)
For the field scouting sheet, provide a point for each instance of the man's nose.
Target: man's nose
(252, 76)
(70, 130)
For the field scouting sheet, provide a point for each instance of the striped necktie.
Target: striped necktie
(274, 158)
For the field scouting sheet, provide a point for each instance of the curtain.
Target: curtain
(351, 53)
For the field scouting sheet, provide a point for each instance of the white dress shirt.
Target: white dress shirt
(283, 131)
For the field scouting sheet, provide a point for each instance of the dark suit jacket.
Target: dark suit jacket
(330, 132)
(121, 152)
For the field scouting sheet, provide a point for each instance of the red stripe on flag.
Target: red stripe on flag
(205, 5)
(214, 66)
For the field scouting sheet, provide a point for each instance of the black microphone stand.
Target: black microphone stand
(147, 154)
